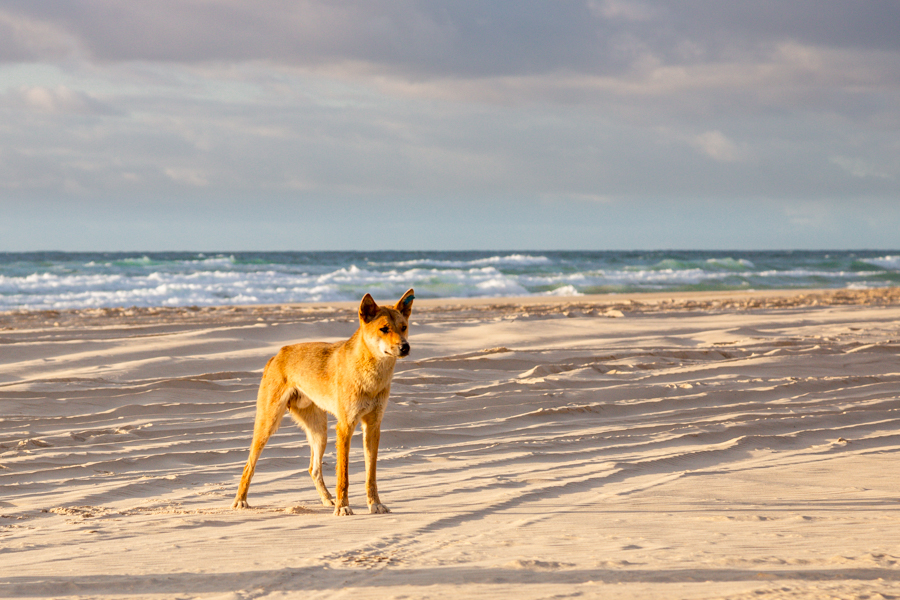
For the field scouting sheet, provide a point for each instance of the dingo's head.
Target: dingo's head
(384, 328)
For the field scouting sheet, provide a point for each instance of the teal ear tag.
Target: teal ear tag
(408, 300)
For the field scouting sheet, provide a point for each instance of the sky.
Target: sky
(402, 124)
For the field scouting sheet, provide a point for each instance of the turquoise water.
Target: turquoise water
(55, 280)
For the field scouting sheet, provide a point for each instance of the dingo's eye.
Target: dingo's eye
(403, 328)
(384, 329)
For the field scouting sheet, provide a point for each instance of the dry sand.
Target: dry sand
(690, 446)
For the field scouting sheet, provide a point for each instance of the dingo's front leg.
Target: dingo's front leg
(342, 445)
(372, 437)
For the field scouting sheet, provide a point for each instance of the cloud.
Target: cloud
(56, 100)
(423, 39)
(24, 37)
(191, 177)
(415, 38)
(628, 10)
(565, 51)
(715, 145)
(860, 168)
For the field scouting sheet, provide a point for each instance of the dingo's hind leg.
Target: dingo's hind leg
(270, 410)
(314, 422)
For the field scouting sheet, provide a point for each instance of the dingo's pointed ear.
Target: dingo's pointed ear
(404, 305)
(367, 309)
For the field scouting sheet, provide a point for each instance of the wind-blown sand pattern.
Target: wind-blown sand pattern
(692, 446)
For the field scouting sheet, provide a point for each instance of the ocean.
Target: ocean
(63, 280)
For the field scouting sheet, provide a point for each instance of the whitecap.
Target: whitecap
(566, 290)
(888, 263)
(740, 264)
(508, 260)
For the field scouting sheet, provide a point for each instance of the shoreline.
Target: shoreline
(597, 304)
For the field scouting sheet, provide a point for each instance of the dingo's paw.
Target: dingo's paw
(327, 501)
(239, 504)
(378, 509)
(342, 511)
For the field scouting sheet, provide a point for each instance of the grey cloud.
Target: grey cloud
(25, 38)
(418, 38)
(449, 39)
(328, 144)
(859, 25)
(637, 59)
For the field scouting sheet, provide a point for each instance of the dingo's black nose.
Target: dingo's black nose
(404, 349)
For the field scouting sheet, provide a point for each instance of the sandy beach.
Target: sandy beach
(695, 445)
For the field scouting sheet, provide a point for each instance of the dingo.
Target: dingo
(349, 379)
